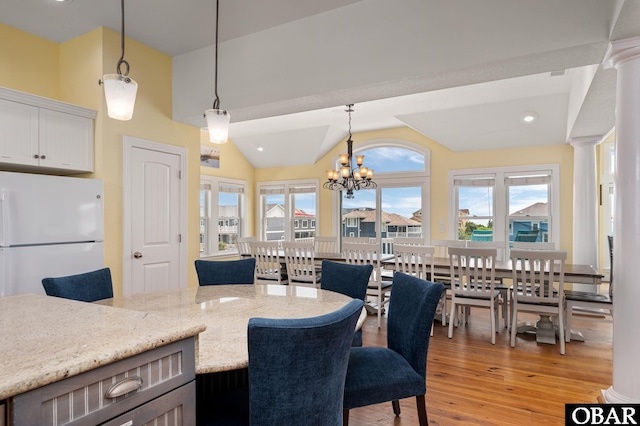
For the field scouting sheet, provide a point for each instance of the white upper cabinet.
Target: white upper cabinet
(42, 134)
(18, 133)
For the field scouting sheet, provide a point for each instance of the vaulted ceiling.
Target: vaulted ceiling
(461, 72)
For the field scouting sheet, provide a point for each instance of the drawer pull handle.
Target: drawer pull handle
(124, 386)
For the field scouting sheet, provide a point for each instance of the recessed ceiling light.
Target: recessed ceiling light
(63, 1)
(260, 148)
(529, 117)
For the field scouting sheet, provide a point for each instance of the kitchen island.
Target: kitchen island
(46, 340)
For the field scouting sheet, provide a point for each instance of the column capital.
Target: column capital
(585, 140)
(620, 51)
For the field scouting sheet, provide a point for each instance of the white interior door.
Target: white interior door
(154, 255)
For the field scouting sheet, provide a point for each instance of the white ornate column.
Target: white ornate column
(585, 205)
(624, 55)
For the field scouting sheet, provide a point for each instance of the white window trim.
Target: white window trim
(214, 182)
(500, 212)
(289, 232)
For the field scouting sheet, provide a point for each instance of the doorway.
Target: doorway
(154, 216)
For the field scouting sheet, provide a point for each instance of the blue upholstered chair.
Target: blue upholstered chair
(226, 271)
(375, 374)
(350, 280)
(297, 367)
(86, 287)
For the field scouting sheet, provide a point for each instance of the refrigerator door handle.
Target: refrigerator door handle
(4, 218)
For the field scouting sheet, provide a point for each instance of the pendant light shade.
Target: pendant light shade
(218, 124)
(120, 94)
(119, 89)
(217, 118)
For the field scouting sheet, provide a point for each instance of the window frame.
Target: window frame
(501, 200)
(212, 215)
(288, 189)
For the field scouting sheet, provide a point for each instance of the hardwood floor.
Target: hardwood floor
(471, 382)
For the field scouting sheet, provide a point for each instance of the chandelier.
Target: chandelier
(348, 178)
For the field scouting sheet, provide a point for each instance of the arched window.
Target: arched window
(398, 207)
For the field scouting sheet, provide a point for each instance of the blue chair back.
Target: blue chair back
(297, 367)
(226, 271)
(411, 310)
(347, 279)
(86, 287)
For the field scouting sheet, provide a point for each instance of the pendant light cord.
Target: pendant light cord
(122, 61)
(216, 102)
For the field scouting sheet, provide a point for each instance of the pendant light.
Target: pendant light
(217, 119)
(120, 89)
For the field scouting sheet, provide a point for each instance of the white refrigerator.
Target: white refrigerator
(49, 226)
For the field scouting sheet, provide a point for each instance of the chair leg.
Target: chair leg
(379, 310)
(494, 320)
(514, 326)
(345, 417)
(396, 407)
(452, 318)
(569, 316)
(422, 410)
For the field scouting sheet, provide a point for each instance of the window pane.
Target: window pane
(401, 215)
(475, 213)
(529, 213)
(359, 214)
(228, 221)
(205, 196)
(304, 207)
(392, 159)
(273, 221)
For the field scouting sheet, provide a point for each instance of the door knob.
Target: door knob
(137, 255)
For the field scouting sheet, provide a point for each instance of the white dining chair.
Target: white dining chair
(538, 287)
(244, 245)
(473, 283)
(369, 254)
(268, 262)
(299, 259)
(418, 260)
(326, 244)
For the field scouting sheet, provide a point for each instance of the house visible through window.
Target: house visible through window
(286, 210)
(222, 205)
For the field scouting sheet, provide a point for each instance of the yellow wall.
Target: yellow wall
(28, 63)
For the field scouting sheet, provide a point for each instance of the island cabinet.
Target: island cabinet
(154, 385)
(66, 362)
(43, 134)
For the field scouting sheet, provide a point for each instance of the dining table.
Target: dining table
(544, 329)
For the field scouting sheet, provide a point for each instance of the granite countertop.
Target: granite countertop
(46, 339)
(226, 309)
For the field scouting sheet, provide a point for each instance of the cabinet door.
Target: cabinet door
(18, 133)
(66, 141)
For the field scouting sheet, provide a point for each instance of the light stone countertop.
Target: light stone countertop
(226, 309)
(46, 339)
